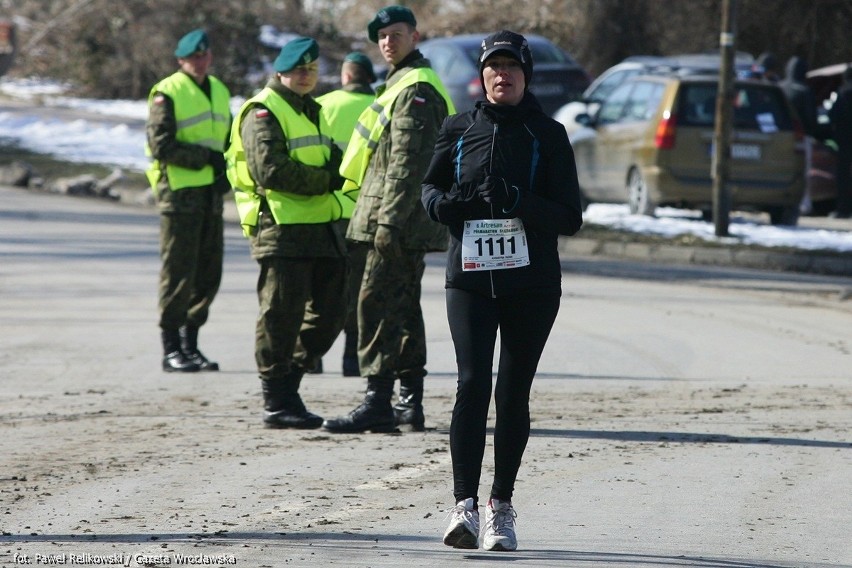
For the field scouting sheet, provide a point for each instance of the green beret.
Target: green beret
(360, 59)
(387, 16)
(299, 51)
(194, 41)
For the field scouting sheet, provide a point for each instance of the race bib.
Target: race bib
(494, 244)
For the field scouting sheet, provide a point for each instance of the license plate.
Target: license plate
(745, 151)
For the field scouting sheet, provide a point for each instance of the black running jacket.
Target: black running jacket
(530, 151)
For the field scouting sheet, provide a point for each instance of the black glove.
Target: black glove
(335, 181)
(448, 211)
(217, 160)
(453, 206)
(496, 191)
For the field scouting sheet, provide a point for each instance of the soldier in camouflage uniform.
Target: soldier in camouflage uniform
(187, 130)
(288, 210)
(390, 220)
(342, 108)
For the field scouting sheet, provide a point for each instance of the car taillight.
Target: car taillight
(664, 138)
(474, 89)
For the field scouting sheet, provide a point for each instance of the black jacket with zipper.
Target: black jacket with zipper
(530, 151)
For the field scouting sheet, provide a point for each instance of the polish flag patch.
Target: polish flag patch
(419, 101)
(262, 113)
(159, 99)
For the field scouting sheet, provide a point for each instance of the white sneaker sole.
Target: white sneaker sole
(500, 547)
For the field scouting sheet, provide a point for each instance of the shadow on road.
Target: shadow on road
(376, 545)
(685, 437)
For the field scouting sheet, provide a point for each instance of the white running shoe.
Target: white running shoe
(499, 533)
(463, 531)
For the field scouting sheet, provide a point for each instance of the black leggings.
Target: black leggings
(524, 322)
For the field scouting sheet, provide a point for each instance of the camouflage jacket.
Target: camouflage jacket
(390, 193)
(270, 165)
(161, 132)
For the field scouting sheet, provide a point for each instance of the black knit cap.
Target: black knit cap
(513, 45)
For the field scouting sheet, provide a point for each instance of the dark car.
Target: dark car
(557, 77)
(822, 170)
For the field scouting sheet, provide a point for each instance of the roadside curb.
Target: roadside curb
(598, 241)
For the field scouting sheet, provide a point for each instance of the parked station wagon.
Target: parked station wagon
(651, 144)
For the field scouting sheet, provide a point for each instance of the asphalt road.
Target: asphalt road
(683, 416)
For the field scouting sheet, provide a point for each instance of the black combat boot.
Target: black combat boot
(374, 414)
(408, 411)
(350, 356)
(189, 346)
(316, 369)
(174, 359)
(282, 405)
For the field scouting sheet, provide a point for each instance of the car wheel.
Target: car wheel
(637, 194)
(823, 208)
(784, 216)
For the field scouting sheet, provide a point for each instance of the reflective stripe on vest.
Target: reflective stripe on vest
(306, 144)
(341, 110)
(372, 122)
(200, 120)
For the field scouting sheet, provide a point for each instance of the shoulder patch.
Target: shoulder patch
(159, 99)
(419, 100)
(261, 113)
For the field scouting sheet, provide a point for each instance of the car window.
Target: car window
(609, 83)
(697, 105)
(756, 107)
(543, 52)
(613, 107)
(643, 101)
(759, 108)
(446, 63)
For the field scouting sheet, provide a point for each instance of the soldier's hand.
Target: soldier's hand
(387, 241)
(335, 182)
(217, 160)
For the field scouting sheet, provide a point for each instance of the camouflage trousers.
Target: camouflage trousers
(391, 332)
(302, 310)
(191, 251)
(357, 253)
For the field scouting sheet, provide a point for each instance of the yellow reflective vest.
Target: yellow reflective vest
(306, 144)
(200, 120)
(341, 110)
(371, 124)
